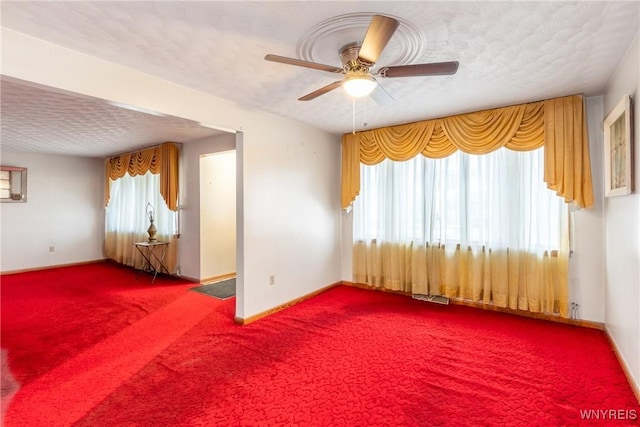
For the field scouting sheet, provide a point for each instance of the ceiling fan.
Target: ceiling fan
(359, 58)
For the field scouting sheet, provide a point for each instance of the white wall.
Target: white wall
(586, 265)
(622, 232)
(64, 209)
(288, 212)
(189, 245)
(291, 211)
(346, 245)
(217, 214)
(288, 173)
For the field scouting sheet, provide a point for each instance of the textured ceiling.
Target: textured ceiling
(509, 52)
(49, 121)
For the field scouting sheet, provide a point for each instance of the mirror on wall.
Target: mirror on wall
(13, 184)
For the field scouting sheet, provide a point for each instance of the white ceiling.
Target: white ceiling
(39, 119)
(509, 52)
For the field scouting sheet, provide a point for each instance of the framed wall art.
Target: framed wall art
(618, 149)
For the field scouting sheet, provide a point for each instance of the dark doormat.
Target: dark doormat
(221, 290)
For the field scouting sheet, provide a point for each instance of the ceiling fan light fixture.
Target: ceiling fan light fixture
(358, 86)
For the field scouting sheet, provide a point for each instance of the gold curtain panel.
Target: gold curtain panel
(162, 160)
(516, 279)
(557, 124)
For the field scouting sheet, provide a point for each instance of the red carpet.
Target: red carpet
(51, 315)
(157, 355)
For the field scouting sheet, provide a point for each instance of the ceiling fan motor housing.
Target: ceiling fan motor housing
(350, 60)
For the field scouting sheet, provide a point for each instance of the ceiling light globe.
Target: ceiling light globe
(359, 86)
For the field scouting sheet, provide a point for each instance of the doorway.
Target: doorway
(217, 216)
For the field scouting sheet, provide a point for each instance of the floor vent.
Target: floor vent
(438, 299)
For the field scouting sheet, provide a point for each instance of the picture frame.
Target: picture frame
(618, 149)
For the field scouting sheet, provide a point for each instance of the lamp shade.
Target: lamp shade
(359, 86)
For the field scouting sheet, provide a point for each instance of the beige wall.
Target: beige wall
(191, 234)
(64, 210)
(217, 214)
(586, 264)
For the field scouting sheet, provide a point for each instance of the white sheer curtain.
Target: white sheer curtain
(483, 228)
(127, 222)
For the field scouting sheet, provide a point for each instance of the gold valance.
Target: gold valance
(162, 160)
(558, 124)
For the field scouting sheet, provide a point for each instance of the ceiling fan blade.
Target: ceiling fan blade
(378, 35)
(300, 63)
(381, 96)
(432, 69)
(321, 91)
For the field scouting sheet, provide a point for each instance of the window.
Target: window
(13, 184)
(498, 200)
(126, 220)
(5, 184)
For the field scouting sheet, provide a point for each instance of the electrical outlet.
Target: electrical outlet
(272, 280)
(52, 249)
